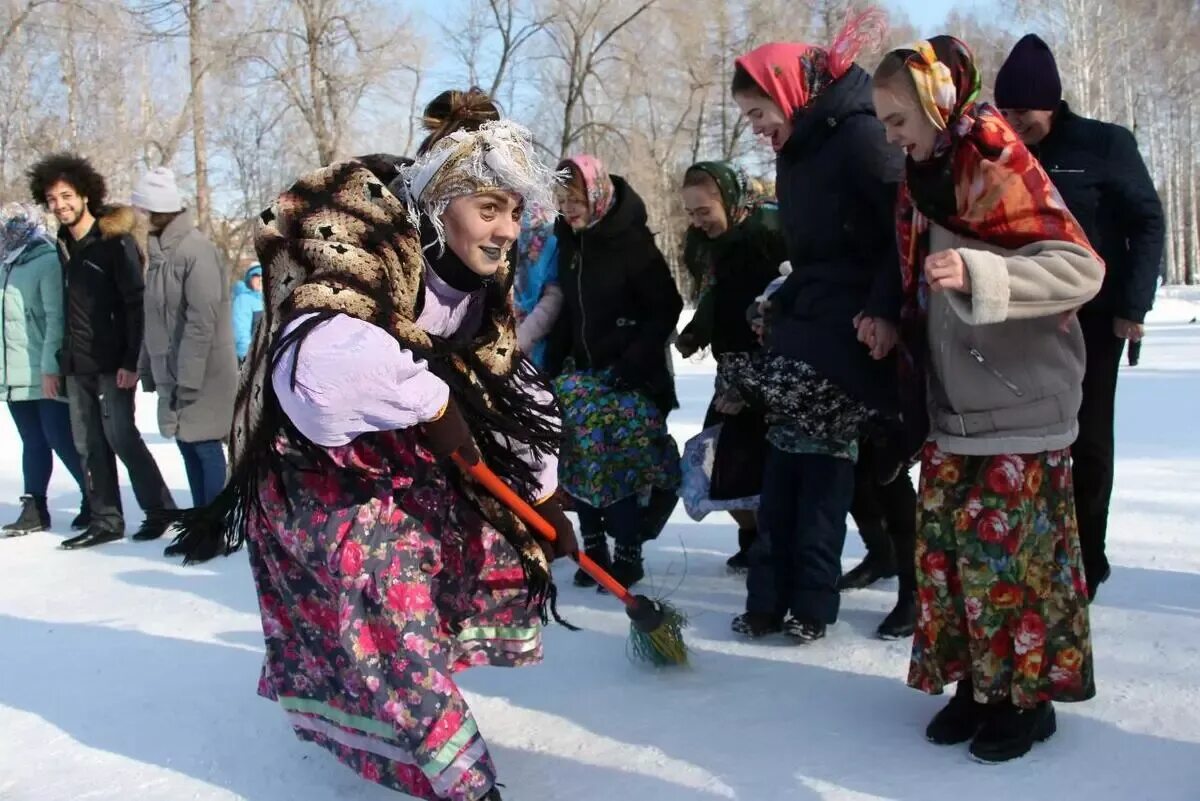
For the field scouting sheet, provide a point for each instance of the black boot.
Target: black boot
(83, 520)
(34, 517)
(1010, 732)
(866, 573)
(627, 564)
(757, 624)
(803, 632)
(153, 527)
(92, 537)
(740, 561)
(595, 545)
(493, 795)
(901, 621)
(959, 720)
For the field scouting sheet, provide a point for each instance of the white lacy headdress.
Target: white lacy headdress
(497, 156)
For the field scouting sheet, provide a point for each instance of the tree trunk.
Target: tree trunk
(199, 127)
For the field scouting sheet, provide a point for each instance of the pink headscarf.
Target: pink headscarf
(794, 74)
(596, 183)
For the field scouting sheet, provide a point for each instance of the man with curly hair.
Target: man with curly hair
(102, 340)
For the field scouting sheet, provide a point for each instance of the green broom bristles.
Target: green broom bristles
(664, 645)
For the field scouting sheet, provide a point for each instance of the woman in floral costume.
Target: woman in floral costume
(609, 351)
(993, 267)
(388, 345)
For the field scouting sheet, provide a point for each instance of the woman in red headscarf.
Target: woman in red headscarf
(836, 180)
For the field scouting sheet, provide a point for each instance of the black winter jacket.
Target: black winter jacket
(103, 288)
(837, 179)
(744, 260)
(621, 304)
(1099, 172)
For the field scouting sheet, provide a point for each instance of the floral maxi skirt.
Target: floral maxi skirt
(1001, 592)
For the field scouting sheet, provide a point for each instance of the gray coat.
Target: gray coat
(188, 355)
(1006, 362)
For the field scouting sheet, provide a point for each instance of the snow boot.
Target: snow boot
(627, 564)
(866, 573)
(740, 561)
(757, 624)
(959, 720)
(91, 538)
(595, 545)
(83, 520)
(34, 517)
(901, 622)
(1010, 732)
(803, 632)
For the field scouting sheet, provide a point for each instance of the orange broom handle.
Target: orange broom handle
(492, 483)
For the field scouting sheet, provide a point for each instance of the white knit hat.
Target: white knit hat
(156, 192)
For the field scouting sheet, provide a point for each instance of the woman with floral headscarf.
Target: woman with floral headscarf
(734, 248)
(31, 331)
(387, 346)
(609, 351)
(836, 179)
(993, 266)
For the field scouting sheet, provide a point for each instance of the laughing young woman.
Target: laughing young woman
(993, 267)
(388, 345)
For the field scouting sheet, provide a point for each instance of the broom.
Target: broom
(656, 627)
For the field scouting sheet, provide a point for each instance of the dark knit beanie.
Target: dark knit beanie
(1029, 78)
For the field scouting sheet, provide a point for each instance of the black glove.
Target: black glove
(449, 435)
(565, 542)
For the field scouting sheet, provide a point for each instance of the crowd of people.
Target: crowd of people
(936, 281)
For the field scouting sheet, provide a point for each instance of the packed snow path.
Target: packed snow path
(124, 676)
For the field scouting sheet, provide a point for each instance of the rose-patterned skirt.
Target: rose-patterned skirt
(376, 584)
(1002, 598)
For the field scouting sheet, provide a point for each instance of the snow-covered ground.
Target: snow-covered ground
(124, 676)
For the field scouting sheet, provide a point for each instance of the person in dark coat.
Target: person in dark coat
(836, 179)
(102, 343)
(1098, 170)
(608, 350)
(733, 250)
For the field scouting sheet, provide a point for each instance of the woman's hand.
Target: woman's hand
(879, 335)
(946, 271)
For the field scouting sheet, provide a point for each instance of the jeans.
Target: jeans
(796, 561)
(45, 429)
(205, 466)
(103, 426)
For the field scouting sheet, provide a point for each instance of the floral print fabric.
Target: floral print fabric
(806, 412)
(377, 583)
(615, 442)
(1002, 598)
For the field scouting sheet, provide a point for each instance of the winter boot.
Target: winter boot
(803, 632)
(901, 621)
(959, 720)
(34, 517)
(595, 545)
(1010, 732)
(84, 519)
(627, 564)
(91, 538)
(757, 624)
(868, 571)
(740, 561)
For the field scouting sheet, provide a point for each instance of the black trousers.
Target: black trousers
(1093, 450)
(796, 560)
(886, 516)
(103, 426)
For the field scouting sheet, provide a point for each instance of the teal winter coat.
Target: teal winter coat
(31, 332)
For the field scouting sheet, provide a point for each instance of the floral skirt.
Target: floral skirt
(615, 442)
(377, 584)
(1001, 591)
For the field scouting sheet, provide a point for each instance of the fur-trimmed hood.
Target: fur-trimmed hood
(115, 221)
